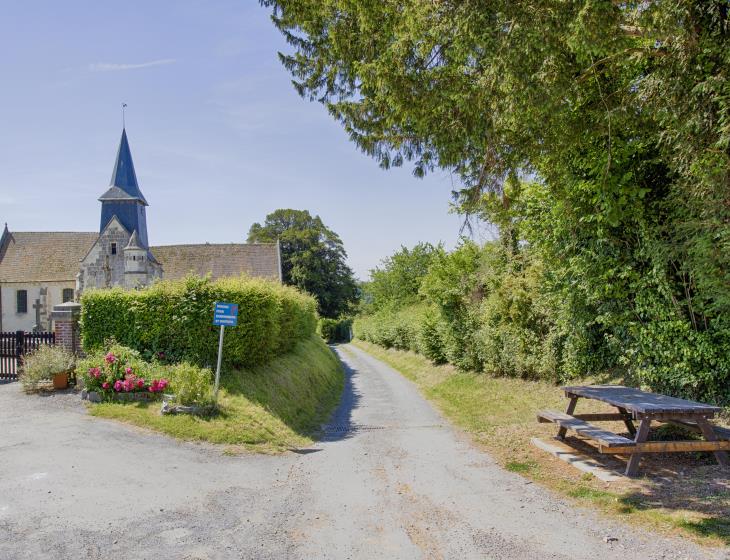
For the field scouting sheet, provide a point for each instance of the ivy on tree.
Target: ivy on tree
(313, 258)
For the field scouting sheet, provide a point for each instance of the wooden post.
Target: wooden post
(19, 350)
(632, 467)
(569, 411)
(710, 435)
(627, 420)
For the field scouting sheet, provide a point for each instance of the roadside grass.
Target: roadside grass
(678, 494)
(268, 409)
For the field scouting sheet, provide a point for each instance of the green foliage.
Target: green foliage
(335, 330)
(313, 258)
(175, 319)
(619, 111)
(42, 364)
(391, 329)
(397, 281)
(191, 384)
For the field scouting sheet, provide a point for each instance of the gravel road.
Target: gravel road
(390, 479)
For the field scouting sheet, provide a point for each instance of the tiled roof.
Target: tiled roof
(220, 260)
(32, 256)
(55, 256)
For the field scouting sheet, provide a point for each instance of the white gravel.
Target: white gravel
(390, 479)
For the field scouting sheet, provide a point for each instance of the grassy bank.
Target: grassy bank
(267, 409)
(683, 494)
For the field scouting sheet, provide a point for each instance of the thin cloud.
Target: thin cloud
(112, 67)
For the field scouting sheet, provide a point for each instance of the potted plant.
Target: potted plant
(47, 363)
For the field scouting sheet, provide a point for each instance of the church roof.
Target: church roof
(55, 257)
(36, 256)
(124, 180)
(219, 260)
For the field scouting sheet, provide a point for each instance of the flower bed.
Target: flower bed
(119, 375)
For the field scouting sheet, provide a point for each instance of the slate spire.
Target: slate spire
(123, 176)
(123, 199)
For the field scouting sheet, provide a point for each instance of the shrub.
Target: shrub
(191, 384)
(175, 318)
(42, 364)
(391, 328)
(335, 330)
(431, 338)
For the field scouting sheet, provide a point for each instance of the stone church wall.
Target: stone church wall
(101, 269)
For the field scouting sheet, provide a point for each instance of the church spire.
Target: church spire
(123, 176)
(123, 199)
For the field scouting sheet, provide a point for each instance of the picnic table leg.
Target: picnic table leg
(629, 424)
(632, 467)
(569, 411)
(710, 435)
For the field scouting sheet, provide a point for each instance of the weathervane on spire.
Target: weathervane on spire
(124, 124)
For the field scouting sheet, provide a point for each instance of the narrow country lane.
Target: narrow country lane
(390, 480)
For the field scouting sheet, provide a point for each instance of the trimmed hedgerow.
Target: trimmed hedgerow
(174, 319)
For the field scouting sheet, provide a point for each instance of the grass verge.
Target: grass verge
(680, 494)
(266, 409)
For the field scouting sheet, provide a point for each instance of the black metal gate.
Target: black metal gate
(14, 345)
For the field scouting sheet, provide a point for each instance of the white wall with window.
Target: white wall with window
(39, 299)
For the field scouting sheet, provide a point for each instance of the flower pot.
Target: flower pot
(60, 380)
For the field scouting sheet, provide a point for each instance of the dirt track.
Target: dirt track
(390, 479)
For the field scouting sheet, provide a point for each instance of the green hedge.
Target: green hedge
(399, 329)
(174, 318)
(335, 330)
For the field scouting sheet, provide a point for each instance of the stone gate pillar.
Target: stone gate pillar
(65, 319)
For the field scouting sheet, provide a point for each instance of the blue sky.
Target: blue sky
(218, 135)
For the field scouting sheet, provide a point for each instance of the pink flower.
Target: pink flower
(110, 358)
(140, 383)
(105, 385)
(118, 385)
(128, 371)
(95, 372)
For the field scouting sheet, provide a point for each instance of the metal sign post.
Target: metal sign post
(224, 315)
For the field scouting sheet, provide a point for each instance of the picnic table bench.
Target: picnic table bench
(644, 407)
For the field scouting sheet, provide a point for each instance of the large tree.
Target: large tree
(617, 110)
(313, 258)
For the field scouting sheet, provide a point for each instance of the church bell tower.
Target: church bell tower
(123, 199)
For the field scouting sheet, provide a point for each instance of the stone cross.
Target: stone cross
(37, 306)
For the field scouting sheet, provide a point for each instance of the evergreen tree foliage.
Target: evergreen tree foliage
(618, 113)
(313, 258)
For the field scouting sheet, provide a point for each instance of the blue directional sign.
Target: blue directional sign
(226, 314)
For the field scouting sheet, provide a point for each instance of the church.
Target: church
(41, 269)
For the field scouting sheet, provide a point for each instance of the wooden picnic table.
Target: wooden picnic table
(644, 407)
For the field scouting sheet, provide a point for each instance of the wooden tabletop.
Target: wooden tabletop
(641, 402)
